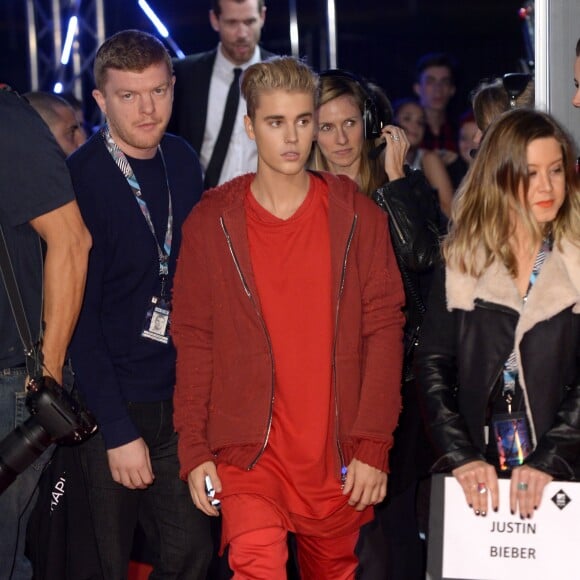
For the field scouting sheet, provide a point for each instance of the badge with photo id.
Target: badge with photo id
(157, 321)
(512, 439)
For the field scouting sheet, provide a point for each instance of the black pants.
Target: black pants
(178, 534)
(389, 547)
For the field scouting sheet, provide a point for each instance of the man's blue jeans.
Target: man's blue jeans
(17, 501)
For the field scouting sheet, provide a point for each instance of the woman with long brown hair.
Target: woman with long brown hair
(498, 361)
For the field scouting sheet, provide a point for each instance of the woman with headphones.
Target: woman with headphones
(349, 124)
(352, 134)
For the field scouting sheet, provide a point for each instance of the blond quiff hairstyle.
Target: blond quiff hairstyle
(277, 73)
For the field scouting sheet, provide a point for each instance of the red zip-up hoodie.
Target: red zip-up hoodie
(225, 367)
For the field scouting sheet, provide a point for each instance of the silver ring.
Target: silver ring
(481, 488)
(522, 486)
(395, 137)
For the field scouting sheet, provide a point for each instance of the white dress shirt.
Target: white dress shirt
(242, 155)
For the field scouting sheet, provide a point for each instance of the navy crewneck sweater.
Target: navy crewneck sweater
(113, 364)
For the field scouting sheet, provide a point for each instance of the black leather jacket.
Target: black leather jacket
(415, 224)
(470, 328)
(415, 219)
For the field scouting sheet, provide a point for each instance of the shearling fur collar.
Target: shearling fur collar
(557, 287)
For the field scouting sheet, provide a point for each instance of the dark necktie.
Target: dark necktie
(214, 167)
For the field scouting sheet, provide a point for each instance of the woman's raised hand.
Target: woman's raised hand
(395, 152)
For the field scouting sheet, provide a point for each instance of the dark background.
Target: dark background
(377, 39)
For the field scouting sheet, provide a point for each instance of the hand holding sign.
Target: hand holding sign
(526, 489)
(478, 480)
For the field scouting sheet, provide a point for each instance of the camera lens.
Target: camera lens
(21, 448)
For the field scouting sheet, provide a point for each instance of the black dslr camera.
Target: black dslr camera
(56, 417)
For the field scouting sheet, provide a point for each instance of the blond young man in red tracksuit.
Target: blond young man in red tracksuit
(288, 326)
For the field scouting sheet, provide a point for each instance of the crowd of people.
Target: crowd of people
(287, 302)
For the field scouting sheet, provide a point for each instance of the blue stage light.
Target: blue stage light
(161, 28)
(70, 36)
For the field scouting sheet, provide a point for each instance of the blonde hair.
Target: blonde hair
(490, 99)
(371, 172)
(482, 212)
(279, 72)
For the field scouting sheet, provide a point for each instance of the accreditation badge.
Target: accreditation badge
(512, 439)
(157, 320)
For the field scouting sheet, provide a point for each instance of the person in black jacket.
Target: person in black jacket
(203, 82)
(498, 358)
(353, 116)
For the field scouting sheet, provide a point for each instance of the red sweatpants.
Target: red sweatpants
(262, 555)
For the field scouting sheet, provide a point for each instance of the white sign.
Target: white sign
(502, 546)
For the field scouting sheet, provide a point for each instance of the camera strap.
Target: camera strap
(33, 356)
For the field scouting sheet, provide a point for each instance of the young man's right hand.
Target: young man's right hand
(366, 485)
(196, 482)
(130, 464)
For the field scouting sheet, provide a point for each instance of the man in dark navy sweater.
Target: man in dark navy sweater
(135, 186)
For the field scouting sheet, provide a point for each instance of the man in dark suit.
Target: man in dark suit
(202, 88)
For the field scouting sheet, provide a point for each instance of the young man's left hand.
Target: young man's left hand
(366, 485)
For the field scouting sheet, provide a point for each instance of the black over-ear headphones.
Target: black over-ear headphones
(515, 84)
(371, 118)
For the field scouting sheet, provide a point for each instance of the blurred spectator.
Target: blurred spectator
(467, 131)
(409, 115)
(467, 147)
(492, 98)
(435, 87)
(60, 117)
(77, 105)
